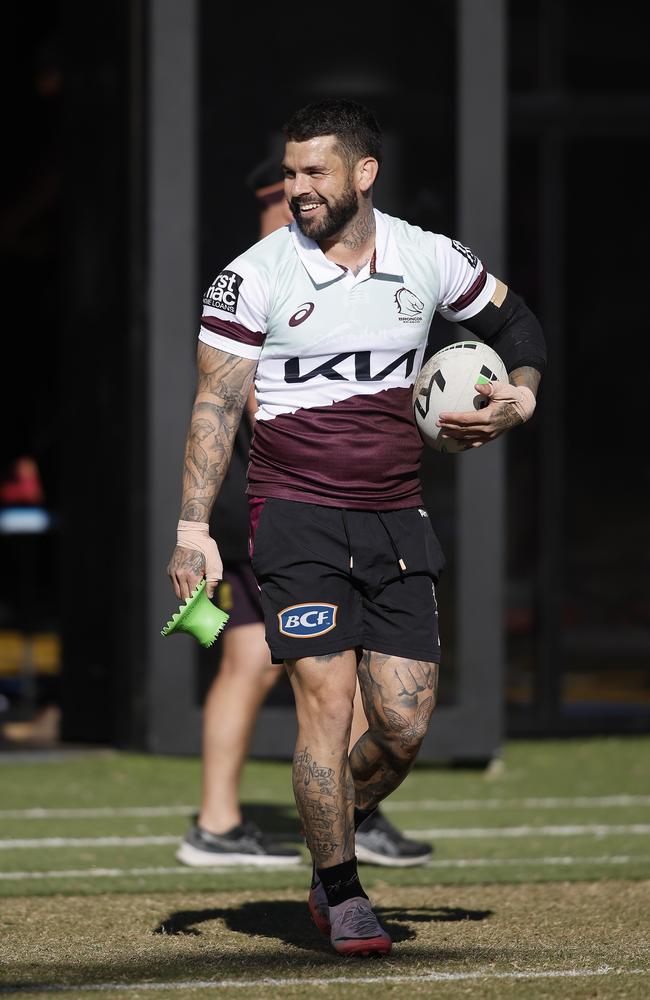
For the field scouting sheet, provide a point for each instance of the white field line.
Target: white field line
(548, 802)
(98, 812)
(139, 872)
(568, 830)
(148, 841)
(444, 805)
(483, 975)
(437, 833)
(563, 860)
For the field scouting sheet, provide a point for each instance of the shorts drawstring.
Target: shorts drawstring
(400, 561)
(347, 536)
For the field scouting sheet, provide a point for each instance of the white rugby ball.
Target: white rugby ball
(446, 385)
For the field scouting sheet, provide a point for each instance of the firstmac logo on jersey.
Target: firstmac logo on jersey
(300, 621)
(223, 293)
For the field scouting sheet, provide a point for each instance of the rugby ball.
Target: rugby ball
(446, 384)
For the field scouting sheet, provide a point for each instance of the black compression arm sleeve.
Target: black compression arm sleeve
(513, 331)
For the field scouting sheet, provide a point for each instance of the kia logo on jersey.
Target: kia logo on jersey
(362, 371)
(303, 620)
(302, 313)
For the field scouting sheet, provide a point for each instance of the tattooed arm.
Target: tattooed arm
(224, 382)
(506, 324)
(508, 405)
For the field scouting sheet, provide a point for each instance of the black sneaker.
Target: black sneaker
(378, 842)
(243, 845)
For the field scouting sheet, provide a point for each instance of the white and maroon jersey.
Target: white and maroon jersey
(337, 356)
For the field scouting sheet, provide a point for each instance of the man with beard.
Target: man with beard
(330, 317)
(220, 834)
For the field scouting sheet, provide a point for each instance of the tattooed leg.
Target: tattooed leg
(398, 697)
(324, 688)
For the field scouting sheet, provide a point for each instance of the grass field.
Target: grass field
(539, 886)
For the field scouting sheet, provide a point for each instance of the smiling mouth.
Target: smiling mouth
(307, 207)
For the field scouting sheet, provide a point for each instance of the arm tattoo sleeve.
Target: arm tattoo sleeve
(224, 382)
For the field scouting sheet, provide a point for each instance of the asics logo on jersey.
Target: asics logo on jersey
(302, 313)
(409, 306)
(362, 369)
(302, 620)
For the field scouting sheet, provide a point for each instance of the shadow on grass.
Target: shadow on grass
(214, 965)
(281, 821)
(288, 921)
(299, 950)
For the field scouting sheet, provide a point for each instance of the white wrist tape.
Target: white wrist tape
(196, 535)
(521, 397)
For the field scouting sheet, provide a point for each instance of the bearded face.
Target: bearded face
(322, 216)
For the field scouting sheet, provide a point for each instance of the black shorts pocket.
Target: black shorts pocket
(417, 541)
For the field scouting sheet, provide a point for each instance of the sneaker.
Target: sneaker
(355, 929)
(243, 845)
(378, 842)
(319, 908)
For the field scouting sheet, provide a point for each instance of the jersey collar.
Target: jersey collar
(386, 259)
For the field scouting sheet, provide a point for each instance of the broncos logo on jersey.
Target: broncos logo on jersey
(409, 306)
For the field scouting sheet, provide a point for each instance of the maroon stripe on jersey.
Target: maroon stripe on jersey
(362, 453)
(233, 331)
(469, 296)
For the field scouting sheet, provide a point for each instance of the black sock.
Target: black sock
(362, 814)
(341, 882)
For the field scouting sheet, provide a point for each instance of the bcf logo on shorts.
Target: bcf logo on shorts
(303, 620)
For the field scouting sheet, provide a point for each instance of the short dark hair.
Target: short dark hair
(354, 126)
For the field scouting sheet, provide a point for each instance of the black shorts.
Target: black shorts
(315, 602)
(238, 594)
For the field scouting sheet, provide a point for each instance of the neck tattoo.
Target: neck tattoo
(362, 230)
(359, 267)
